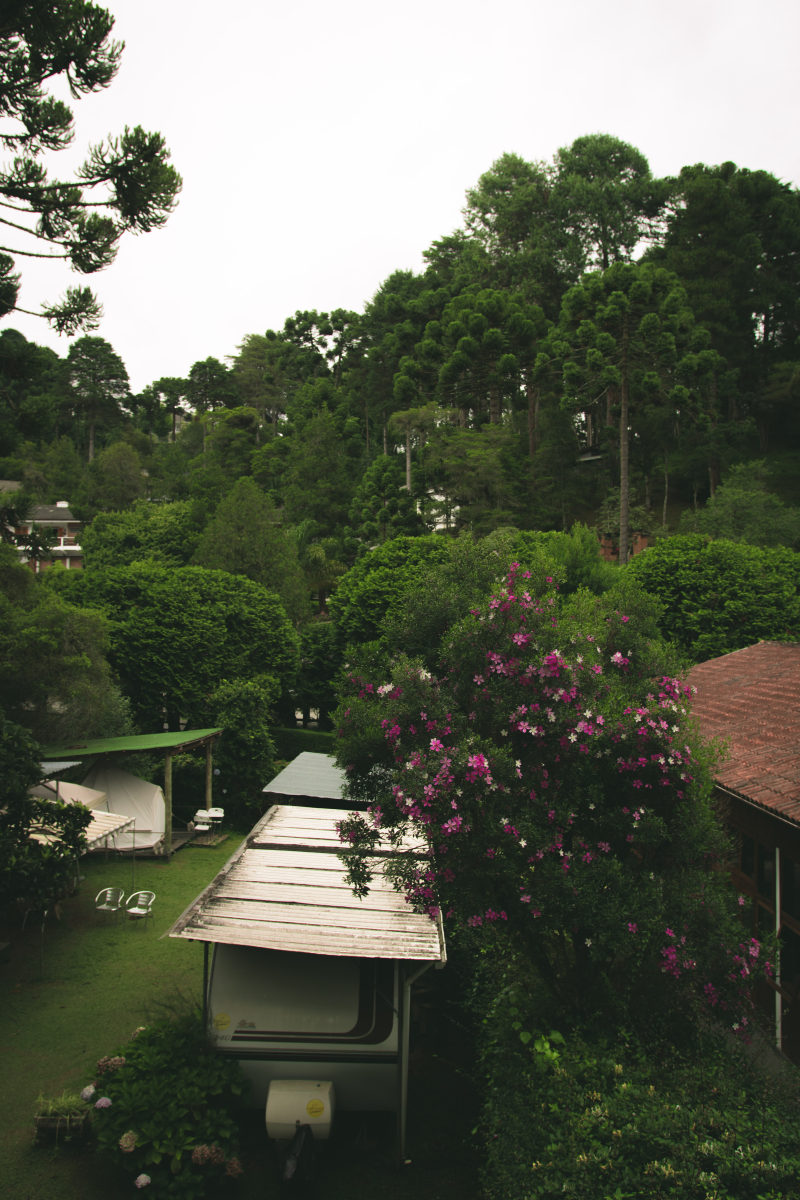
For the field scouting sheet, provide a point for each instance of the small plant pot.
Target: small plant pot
(53, 1129)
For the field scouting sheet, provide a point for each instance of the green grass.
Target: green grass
(77, 993)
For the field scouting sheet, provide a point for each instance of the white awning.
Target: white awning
(103, 826)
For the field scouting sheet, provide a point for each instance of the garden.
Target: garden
(75, 990)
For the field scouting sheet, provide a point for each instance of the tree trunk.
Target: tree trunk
(666, 495)
(624, 446)
(495, 406)
(532, 393)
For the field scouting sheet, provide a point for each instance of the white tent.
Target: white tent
(136, 798)
(105, 828)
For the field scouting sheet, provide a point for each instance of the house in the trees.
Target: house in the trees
(750, 699)
(57, 520)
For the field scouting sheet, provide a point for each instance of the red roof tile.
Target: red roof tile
(751, 700)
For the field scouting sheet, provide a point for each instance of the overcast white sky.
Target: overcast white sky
(325, 145)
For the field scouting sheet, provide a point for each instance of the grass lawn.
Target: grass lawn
(77, 992)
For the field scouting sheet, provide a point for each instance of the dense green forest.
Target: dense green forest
(592, 342)
(596, 356)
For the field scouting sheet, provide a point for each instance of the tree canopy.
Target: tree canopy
(176, 634)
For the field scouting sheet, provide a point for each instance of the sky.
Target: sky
(324, 146)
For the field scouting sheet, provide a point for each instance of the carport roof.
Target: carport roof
(313, 775)
(135, 744)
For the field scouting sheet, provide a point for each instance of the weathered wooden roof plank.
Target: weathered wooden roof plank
(285, 888)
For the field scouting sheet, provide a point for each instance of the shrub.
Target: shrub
(720, 596)
(164, 1111)
(566, 1115)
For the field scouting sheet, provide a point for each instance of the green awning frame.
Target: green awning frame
(167, 744)
(134, 744)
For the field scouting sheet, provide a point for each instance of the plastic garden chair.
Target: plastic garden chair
(110, 900)
(139, 905)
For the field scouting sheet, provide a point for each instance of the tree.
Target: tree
(32, 392)
(177, 634)
(244, 709)
(324, 451)
(125, 185)
(377, 582)
(473, 471)
(56, 680)
(14, 509)
(719, 595)
(624, 333)
(35, 871)
(382, 507)
(245, 537)
(549, 768)
(117, 477)
(37, 543)
(171, 393)
(99, 384)
(606, 197)
(392, 323)
(511, 213)
(743, 509)
(733, 238)
(166, 534)
(210, 385)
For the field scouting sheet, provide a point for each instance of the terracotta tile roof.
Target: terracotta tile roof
(751, 699)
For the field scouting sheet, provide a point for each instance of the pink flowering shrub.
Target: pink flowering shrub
(552, 769)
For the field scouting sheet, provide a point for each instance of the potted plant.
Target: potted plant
(61, 1118)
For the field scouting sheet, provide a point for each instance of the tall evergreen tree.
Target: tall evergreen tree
(126, 184)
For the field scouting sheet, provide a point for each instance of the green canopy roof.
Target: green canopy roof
(134, 744)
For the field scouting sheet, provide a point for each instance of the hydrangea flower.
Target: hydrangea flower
(141, 1181)
(127, 1142)
(110, 1063)
(103, 1102)
(88, 1092)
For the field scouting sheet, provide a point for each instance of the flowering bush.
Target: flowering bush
(551, 769)
(168, 1113)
